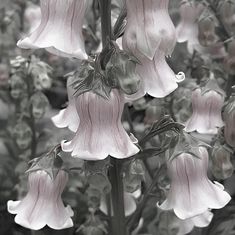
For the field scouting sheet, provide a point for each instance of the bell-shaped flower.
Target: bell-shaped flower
(187, 29)
(191, 192)
(158, 78)
(149, 27)
(68, 117)
(43, 205)
(60, 30)
(206, 117)
(100, 132)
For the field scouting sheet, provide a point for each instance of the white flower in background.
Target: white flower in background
(158, 78)
(32, 17)
(206, 117)
(60, 30)
(149, 28)
(191, 192)
(100, 132)
(43, 205)
(68, 117)
(129, 203)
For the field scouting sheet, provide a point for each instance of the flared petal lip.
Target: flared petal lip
(26, 43)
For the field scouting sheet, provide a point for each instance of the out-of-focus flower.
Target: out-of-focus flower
(129, 203)
(158, 78)
(206, 117)
(206, 32)
(199, 34)
(149, 28)
(222, 168)
(23, 135)
(43, 205)
(60, 30)
(32, 16)
(169, 223)
(229, 120)
(100, 132)
(227, 14)
(229, 60)
(39, 104)
(191, 192)
(18, 86)
(68, 117)
(187, 29)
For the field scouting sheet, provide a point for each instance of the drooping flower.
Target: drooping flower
(206, 117)
(68, 117)
(191, 192)
(100, 132)
(187, 28)
(159, 80)
(149, 28)
(43, 205)
(60, 30)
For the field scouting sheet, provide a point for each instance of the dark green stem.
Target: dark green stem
(106, 28)
(118, 225)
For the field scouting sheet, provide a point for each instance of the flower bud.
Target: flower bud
(229, 60)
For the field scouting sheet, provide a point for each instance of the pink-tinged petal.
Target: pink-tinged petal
(43, 205)
(158, 78)
(187, 29)
(187, 225)
(206, 117)
(191, 192)
(149, 27)
(100, 132)
(68, 117)
(60, 30)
